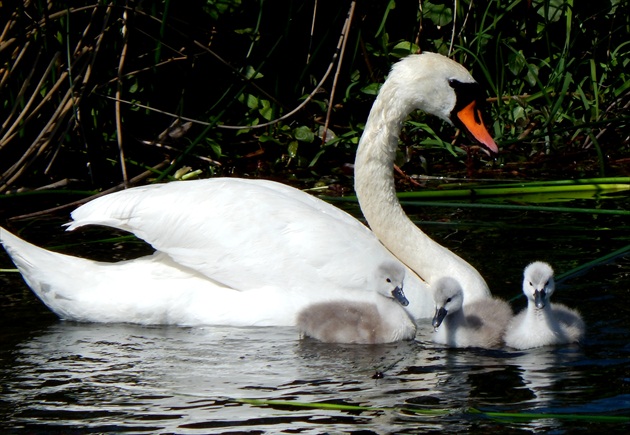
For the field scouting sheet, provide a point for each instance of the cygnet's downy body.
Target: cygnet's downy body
(381, 320)
(543, 323)
(481, 323)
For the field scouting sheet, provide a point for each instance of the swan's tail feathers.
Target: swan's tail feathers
(49, 274)
(32, 261)
(24, 255)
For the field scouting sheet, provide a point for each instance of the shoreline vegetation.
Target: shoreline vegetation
(101, 96)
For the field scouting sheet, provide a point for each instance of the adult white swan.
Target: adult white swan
(254, 252)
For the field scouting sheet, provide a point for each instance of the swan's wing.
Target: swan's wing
(147, 290)
(243, 232)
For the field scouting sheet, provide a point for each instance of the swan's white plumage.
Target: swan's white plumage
(156, 290)
(254, 252)
(543, 323)
(481, 323)
(244, 233)
(416, 82)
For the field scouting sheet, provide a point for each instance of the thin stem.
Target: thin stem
(344, 34)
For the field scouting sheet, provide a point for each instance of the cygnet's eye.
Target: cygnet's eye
(388, 280)
(530, 284)
(547, 283)
(448, 300)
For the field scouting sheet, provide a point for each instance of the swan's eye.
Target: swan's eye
(547, 283)
(388, 280)
(530, 284)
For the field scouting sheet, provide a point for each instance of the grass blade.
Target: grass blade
(433, 412)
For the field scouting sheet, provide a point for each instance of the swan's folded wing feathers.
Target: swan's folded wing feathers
(222, 227)
(114, 210)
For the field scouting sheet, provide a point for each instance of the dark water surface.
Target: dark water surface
(62, 377)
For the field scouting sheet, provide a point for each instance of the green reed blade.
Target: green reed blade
(433, 412)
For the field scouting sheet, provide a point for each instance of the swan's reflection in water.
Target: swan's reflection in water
(168, 379)
(536, 381)
(545, 370)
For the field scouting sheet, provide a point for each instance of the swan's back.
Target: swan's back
(243, 232)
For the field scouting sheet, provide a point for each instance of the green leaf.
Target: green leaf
(404, 48)
(551, 10)
(441, 15)
(214, 146)
(266, 111)
(516, 63)
(532, 74)
(371, 89)
(292, 148)
(304, 134)
(268, 138)
(252, 74)
(252, 101)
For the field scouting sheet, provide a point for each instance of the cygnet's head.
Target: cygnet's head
(448, 297)
(390, 279)
(538, 283)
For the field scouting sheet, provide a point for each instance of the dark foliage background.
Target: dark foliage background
(102, 94)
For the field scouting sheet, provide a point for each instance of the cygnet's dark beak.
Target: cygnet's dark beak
(440, 314)
(399, 295)
(540, 298)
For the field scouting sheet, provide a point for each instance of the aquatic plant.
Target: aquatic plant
(100, 94)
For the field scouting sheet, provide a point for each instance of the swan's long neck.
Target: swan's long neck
(376, 191)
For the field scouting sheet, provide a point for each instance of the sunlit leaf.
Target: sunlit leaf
(266, 111)
(252, 101)
(252, 74)
(293, 148)
(404, 48)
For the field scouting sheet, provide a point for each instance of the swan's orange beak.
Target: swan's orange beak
(470, 117)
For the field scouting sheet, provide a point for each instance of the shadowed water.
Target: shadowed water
(62, 377)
